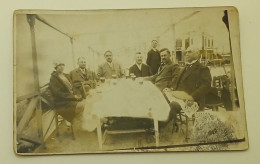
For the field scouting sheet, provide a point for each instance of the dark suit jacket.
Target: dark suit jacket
(78, 78)
(145, 70)
(60, 91)
(153, 60)
(194, 80)
(162, 79)
(104, 70)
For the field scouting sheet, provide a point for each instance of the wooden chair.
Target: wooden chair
(58, 120)
(46, 97)
(185, 122)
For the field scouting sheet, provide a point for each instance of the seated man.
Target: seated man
(194, 80)
(109, 68)
(139, 69)
(81, 76)
(162, 79)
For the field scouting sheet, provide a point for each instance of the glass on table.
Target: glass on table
(131, 74)
(126, 73)
(133, 77)
(114, 76)
(102, 79)
(141, 80)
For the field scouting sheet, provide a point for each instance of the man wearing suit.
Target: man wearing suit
(162, 79)
(192, 83)
(82, 78)
(139, 69)
(110, 68)
(154, 58)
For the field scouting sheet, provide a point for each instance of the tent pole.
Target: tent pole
(31, 21)
(72, 53)
(233, 80)
(174, 43)
(66, 34)
(48, 24)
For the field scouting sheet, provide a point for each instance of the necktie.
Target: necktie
(161, 66)
(187, 66)
(83, 71)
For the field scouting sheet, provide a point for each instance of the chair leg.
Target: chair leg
(180, 118)
(175, 127)
(187, 128)
(72, 132)
(193, 119)
(57, 124)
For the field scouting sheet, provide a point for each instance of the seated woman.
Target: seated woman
(65, 100)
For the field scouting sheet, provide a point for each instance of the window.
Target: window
(178, 43)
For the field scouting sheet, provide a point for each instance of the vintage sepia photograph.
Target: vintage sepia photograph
(128, 80)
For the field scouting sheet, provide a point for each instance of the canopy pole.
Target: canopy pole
(183, 19)
(233, 79)
(232, 73)
(72, 53)
(174, 43)
(31, 21)
(48, 24)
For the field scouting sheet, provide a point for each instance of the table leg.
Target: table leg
(187, 128)
(156, 131)
(99, 134)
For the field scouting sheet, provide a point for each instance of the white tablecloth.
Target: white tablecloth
(125, 99)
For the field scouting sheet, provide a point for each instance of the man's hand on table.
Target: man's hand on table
(167, 89)
(78, 97)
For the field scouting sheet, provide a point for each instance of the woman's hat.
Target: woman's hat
(58, 63)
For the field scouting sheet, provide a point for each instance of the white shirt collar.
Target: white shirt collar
(192, 62)
(83, 70)
(139, 66)
(154, 49)
(110, 64)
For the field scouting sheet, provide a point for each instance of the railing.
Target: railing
(35, 98)
(34, 103)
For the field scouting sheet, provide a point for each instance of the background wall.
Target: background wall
(249, 25)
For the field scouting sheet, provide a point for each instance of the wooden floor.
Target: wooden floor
(87, 142)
